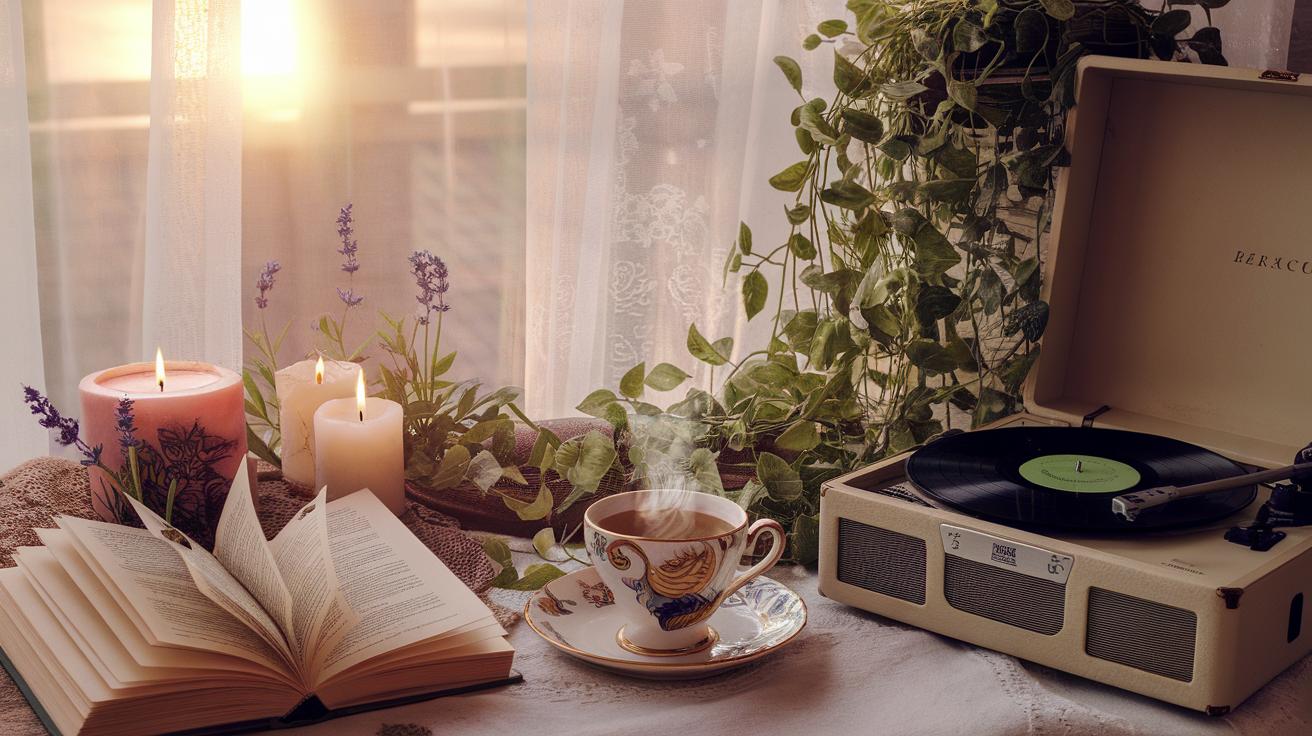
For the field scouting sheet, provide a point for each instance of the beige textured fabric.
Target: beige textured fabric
(33, 493)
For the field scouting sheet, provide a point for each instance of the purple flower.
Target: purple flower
(431, 276)
(66, 428)
(349, 297)
(346, 231)
(126, 423)
(265, 283)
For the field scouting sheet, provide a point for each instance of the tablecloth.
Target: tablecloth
(849, 672)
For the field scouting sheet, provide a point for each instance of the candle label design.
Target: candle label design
(192, 457)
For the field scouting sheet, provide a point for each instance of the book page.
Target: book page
(399, 589)
(319, 612)
(241, 549)
(153, 580)
(217, 584)
(126, 627)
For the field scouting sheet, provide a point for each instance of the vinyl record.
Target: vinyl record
(1065, 477)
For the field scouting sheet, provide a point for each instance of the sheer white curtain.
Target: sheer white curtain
(177, 145)
(653, 127)
(652, 130)
(19, 438)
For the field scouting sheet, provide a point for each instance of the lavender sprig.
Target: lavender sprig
(346, 231)
(265, 283)
(349, 297)
(126, 422)
(66, 428)
(431, 276)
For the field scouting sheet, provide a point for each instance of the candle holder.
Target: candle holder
(192, 434)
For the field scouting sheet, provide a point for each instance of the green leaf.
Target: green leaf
(723, 346)
(805, 539)
(701, 349)
(1059, 9)
(595, 403)
(483, 430)
(631, 383)
(752, 491)
(792, 72)
(963, 93)
(780, 480)
(967, 36)
(896, 148)
(934, 254)
(703, 468)
(947, 190)
(928, 355)
(452, 468)
(1171, 22)
(484, 470)
(499, 552)
(584, 461)
(800, 330)
(900, 91)
(799, 214)
(257, 445)
(850, 79)
(935, 302)
(792, 178)
(801, 246)
(801, 436)
(538, 509)
(543, 446)
(813, 122)
(831, 28)
(544, 540)
(848, 195)
(755, 290)
(744, 239)
(666, 377)
(536, 576)
(1031, 30)
(811, 42)
(862, 125)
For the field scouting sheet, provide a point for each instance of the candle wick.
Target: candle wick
(362, 415)
(161, 386)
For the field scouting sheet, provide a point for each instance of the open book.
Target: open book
(117, 630)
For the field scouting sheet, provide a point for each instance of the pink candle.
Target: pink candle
(192, 430)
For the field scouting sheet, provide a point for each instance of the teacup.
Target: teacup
(671, 559)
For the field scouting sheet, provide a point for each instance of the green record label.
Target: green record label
(1079, 473)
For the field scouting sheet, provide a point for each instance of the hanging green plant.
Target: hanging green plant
(909, 280)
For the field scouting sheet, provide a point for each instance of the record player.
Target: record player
(1179, 278)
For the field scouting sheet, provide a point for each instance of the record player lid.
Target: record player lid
(1179, 266)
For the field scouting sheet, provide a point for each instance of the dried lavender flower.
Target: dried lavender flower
(431, 276)
(265, 283)
(346, 231)
(126, 423)
(66, 428)
(349, 297)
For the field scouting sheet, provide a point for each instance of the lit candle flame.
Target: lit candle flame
(159, 368)
(359, 393)
(318, 370)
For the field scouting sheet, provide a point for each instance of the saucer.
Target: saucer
(576, 614)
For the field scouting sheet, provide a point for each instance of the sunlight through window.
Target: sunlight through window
(268, 38)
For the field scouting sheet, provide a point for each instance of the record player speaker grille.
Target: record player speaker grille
(881, 560)
(1140, 633)
(1011, 597)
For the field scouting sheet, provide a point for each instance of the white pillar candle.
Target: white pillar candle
(302, 388)
(358, 444)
